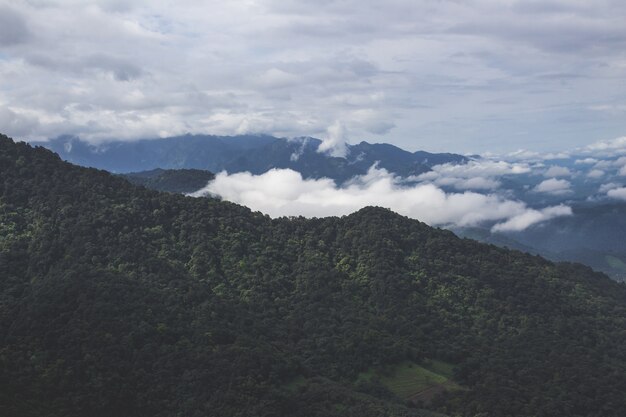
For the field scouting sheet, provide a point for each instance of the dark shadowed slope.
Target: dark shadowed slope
(118, 300)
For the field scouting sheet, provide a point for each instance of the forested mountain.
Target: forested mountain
(182, 181)
(119, 300)
(593, 235)
(252, 153)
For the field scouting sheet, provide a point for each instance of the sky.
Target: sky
(471, 76)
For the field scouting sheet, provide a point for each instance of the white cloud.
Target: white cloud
(595, 173)
(557, 171)
(283, 192)
(618, 193)
(553, 186)
(474, 175)
(609, 148)
(481, 168)
(587, 161)
(607, 187)
(530, 217)
(524, 155)
(612, 164)
(334, 143)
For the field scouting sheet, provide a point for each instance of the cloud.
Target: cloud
(530, 217)
(618, 193)
(607, 148)
(476, 183)
(553, 186)
(283, 192)
(478, 174)
(120, 69)
(13, 29)
(524, 155)
(595, 173)
(587, 161)
(17, 123)
(334, 143)
(412, 73)
(557, 171)
(607, 187)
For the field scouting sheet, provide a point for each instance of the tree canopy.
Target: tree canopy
(119, 300)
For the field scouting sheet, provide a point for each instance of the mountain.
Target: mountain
(255, 154)
(182, 181)
(190, 151)
(120, 300)
(593, 235)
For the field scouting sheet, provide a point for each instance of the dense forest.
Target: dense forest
(117, 300)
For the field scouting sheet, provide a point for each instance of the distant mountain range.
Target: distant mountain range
(253, 153)
(171, 180)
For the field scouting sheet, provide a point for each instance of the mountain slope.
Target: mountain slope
(182, 181)
(255, 154)
(118, 300)
(593, 235)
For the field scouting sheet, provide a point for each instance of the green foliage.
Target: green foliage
(407, 379)
(119, 300)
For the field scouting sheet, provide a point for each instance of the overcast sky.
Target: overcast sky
(458, 76)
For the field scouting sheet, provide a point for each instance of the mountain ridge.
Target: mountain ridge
(119, 300)
(251, 153)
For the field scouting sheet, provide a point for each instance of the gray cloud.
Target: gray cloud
(13, 29)
(21, 124)
(434, 75)
(120, 69)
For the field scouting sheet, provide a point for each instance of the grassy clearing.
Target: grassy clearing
(407, 379)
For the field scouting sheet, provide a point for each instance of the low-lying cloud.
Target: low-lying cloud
(557, 171)
(530, 217)
(554, 186)
(474, 175)
(283, 192)
(617, 193)
(334, 142)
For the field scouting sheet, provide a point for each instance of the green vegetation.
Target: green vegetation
(407, 379)
(119, 300)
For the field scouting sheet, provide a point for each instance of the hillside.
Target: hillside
(252, 153)
(119, 300)
(593, 235)
(182, 181)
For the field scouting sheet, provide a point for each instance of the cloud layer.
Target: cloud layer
(504, 73)
(283, 192)
(481, 174)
